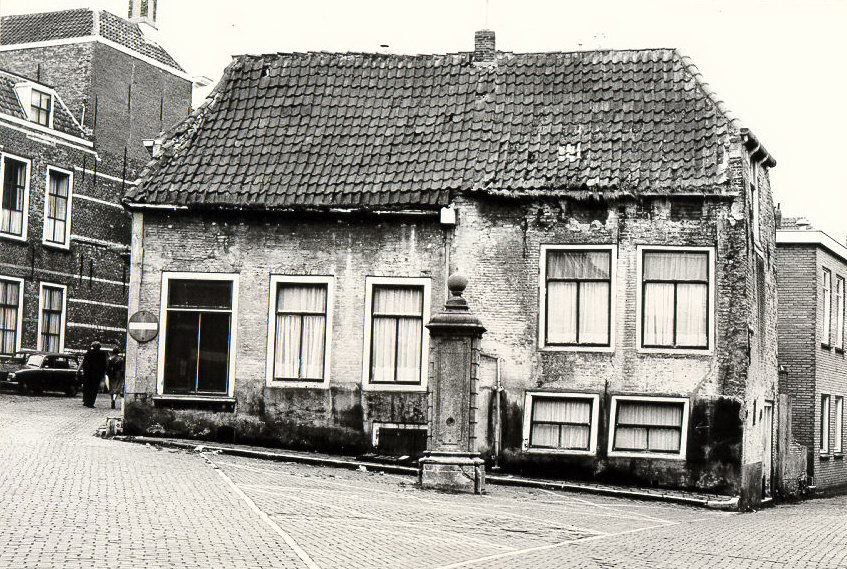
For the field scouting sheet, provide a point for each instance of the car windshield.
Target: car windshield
(35, 360)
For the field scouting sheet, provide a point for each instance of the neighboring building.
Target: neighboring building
(615, 223)
(101, 74)
(812, 271)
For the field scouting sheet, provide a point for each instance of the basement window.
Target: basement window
(648, 427)
(561, 423)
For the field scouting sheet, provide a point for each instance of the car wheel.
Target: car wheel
(24, 389)
(71, 391)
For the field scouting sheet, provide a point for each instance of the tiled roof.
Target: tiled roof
(46, 26)
(10, 105)
(321, 130)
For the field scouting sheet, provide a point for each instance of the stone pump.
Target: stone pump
(451, 461)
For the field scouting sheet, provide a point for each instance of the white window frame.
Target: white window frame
(838, 442)
(683, 439)
(542, 298)
(839, 311)
(19, 325)
(24, 93)
(25, 222)
(527, 421)
(639, 300)
(68, 213)
(168, 276)
(823, 426)
(826, 306)
(370, 282)
(277, 280)
(63, 318)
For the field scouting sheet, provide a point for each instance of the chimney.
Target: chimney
(143, 12)
(484, 51)
(777, 216)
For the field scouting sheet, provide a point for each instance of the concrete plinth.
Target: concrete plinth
(453, 471)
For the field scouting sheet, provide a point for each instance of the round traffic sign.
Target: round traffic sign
(143, 326)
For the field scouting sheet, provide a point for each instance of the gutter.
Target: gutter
(757, 151)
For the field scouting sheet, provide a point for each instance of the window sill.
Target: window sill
(825, 456)
(564, 452)
(676, 351)
(281, 384)
(13, 237)
(838, 455)
(825, 346)
(57, 246)
(394, 387)
(200, 402)
(651, 455)
(839, 351)
(576, 348)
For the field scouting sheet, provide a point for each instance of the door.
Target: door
(767, 439)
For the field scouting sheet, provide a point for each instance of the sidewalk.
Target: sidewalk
(713, 501)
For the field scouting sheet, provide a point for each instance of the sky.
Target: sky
(778, 64)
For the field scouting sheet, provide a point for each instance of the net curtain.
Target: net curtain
(396, 335)
(300, 332)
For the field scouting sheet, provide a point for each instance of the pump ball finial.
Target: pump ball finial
(456, 284)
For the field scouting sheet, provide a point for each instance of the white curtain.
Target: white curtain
(9, 292)
(397, 333)
(578, 264)
(692, 309)
(561, 312)
(593, 324)
(571, 423)
(594, 313)
(658, 314)
(675, 266)
(691, 306)
(57, 208)
(52, 323)
(648, 426)
(300, 332)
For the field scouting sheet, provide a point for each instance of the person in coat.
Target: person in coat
(93, 369)
(115, 371)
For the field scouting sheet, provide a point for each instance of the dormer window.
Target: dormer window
(41, 107)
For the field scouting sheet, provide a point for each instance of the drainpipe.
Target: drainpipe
(497, 422)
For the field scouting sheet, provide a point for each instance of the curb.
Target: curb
(729, 503)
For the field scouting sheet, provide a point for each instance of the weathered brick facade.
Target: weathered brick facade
(813, 366)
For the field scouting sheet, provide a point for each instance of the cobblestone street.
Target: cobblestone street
(70, 499)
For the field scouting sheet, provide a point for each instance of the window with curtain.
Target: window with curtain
(839, 312)
(838, 443)
(675, 301)
(396, 334)
(300, 335)
(826, 337)
(40, 107)
(824, 430)
(10, 292)
(197, 336)
(578, 295)
(560, 423)
(14, 194)
(56, 209)
(52, 305)
(651, 427)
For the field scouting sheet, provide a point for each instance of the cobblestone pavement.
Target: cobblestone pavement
(70, 499)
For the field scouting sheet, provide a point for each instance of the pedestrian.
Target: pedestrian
(115, 372)
(93, 369)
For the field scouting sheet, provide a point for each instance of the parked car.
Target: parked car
(47, 372)
(14, 362)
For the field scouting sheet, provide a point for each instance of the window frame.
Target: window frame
(683, 439)
(66, 245)
(824, 430)
(275, 281)
(612, 249)
(710, 300)
(370, 283)
(529, 399)
(63, 318)
(51, 102)
(826, 307)
(168, 276)
(838, 440)
(25, 221)
(839, 311)
(20, 320)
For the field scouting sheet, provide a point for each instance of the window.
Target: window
(561, 422)
(41, 107)
(824, 432)
(13, 206)
(827, 307)
(396, 342)
(57, 208)
(300, 326)
(648, 426)
(11, 304)
(675, 299)
(839, 425)
(839, 312)
(51, 321)
(576, 305)
(199, 334)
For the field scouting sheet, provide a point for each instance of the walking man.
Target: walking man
(93, 369)
(115, 371)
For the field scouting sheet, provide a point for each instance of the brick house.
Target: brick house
(100, 73)
(811, 269)
(295, 233)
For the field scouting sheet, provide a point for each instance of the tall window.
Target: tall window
(648, 427)
(57, 208)
(300, 330)
(561, 422)
(824, 430)
(12, 205)
(396, 335)
(41, 107)
(51, 324)
(198, 333)
(838, 443)
(10, 307)
(675, 299)
(578, 289)
(827, 307)
(839, 312)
